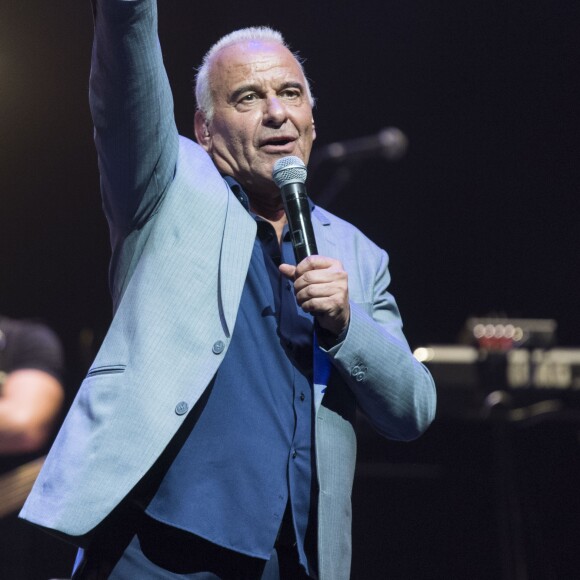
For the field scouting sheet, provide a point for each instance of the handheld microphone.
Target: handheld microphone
(289, 174)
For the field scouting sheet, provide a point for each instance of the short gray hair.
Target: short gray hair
(203, 94)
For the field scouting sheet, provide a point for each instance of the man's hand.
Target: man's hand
(321, 288)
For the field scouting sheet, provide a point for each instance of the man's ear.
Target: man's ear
(201, 127)
(313, 130)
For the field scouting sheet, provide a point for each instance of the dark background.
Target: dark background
(480, 217)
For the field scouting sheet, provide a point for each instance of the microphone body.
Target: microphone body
(289, 174)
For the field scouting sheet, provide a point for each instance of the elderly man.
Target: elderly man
(213, 435)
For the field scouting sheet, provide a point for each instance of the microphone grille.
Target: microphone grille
(289, 170)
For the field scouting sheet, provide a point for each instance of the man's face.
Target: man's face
(261, 113)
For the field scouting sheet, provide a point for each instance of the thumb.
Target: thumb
(287, 270)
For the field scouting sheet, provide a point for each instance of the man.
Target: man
(213, 436)
(31, 397)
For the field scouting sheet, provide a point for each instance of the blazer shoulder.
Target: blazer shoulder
(344, 233)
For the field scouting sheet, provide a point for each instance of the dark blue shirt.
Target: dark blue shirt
(250, 451)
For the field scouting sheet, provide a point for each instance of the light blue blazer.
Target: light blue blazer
(181, 246)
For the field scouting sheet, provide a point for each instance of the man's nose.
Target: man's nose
(275, 111)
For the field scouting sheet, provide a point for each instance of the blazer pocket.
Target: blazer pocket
(106, 370)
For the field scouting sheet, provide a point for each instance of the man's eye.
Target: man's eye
(249, 98)
(290, 94)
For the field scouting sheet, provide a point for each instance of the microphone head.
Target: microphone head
(394, 143)
(289, 170)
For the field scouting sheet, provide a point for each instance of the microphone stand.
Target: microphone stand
(338, 181)
(390, 143)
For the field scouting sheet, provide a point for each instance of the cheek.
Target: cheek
(225, 140)
(236, 135)
(235, 148)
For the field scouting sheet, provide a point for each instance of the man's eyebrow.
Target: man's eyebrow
(256, 88)
(249, 88)
(292, 85)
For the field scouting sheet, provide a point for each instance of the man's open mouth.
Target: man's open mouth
(278, 143)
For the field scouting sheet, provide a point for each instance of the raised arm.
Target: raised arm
(132, 109)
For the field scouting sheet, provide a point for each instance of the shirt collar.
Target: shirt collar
(238, 191)
(243, 198)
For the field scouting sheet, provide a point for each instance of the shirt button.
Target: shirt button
(302, 397)
(355, 371)
(181, 408)
(294, 454)
(218, 347)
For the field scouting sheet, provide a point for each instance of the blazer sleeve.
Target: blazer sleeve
(394, 390)
(132, 109)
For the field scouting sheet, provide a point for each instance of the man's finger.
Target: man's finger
(287, 270)
(315, 262)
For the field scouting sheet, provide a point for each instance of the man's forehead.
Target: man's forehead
(254, 56)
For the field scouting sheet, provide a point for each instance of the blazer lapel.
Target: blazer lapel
(238, 241)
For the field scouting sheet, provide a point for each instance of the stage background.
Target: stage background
(480, 217)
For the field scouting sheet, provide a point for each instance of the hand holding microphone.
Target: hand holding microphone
(320, 283)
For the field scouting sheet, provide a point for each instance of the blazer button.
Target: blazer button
(359, 372)
(181, 408)
(218, 347)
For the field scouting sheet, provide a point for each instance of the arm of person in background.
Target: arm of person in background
(393, 389)
(30, 403)
(31, 393)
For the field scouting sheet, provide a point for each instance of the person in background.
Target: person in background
(31, 400)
